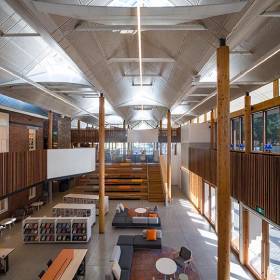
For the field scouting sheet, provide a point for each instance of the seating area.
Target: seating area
(131, 218)
(139, 139)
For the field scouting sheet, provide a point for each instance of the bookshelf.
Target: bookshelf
(86, 199)
(56, 230)
(75, 210)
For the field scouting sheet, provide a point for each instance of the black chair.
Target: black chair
(41, 274)
(184, 259)
(49, 263)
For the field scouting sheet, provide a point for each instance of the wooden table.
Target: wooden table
(4, 258)
(37, 204)
(66, 265)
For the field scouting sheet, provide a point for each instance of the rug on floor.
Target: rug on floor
(144, 261)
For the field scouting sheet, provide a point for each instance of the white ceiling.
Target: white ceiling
(74, 60)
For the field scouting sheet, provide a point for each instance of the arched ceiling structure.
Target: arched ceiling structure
(60, 54)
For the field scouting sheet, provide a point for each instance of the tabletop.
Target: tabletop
(140, 210)
(4, 252)
(7, 221)
(37, 203)
(166, 266)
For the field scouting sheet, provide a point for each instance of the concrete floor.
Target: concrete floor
(181, 225)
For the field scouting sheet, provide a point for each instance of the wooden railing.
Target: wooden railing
(255, 178)
(163, 172)
(19, 170)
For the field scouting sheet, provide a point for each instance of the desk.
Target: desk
(4, 258)
(66, 265)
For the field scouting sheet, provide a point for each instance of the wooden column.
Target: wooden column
(79, 130)
(265, 249)
(124, 144)
(247, 123)
(212, 130)
(244, 245)
(223, 162)
(276, 88)
(50, 130)
(160, 144)
(50, 146)
(101, 164)
(169, 155)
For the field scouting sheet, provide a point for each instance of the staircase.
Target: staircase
(122, 181)
(155, 193)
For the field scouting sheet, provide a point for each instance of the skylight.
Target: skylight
(147, 3)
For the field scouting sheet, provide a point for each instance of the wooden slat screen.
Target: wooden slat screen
(175, 135)
(19, 170)
(255, 178)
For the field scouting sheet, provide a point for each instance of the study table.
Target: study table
(66, 265)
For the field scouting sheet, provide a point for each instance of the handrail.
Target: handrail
(163, 172)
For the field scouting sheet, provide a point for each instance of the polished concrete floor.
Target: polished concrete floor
(182, 226)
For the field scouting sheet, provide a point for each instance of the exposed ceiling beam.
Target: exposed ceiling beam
(144, 75)
(271, 14)
(128, 15)
(144, 60)
(241, 52)
(6, 35)
(45, 90)
(75, 92)
(92, 27)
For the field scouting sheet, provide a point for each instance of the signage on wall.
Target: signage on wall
(260, 210)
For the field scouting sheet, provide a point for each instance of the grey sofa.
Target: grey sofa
(123, 252)
(123, 220)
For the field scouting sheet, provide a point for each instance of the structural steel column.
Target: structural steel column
(223, 162)
(50, 145)
(101, 165)
(276, 88)
(212, 130)
(160, 144)
(169, 155)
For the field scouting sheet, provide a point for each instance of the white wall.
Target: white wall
(175, 165)
(4, 132)
(195, 133)
(142, 136)
(66, 162)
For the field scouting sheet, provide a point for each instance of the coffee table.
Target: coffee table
(8, 222)
(166, 266)
(140, 210)
(37, 204)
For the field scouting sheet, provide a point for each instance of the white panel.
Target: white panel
(66, 162)
(4, 133)
(195, 133)
(142, 136)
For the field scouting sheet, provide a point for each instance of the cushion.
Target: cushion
(116, 270)
(126, 258)
(141, 243)
(144, 233)
(140, 220)
(121, 207)
(118, 209)
(125, 240)
(153, 220)
(151, 234)
(153, 215)
(115, 257)
(159, 233)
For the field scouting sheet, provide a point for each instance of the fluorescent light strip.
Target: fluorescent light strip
(140, 3)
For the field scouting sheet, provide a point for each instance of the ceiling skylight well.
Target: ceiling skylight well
(146, 3)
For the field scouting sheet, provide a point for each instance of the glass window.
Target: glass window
(236, 134)
(255, 242)
(272, 129)
(213, 205)
(258, 130)
(274, 253)
(235, 224)
(32, 192)
(3, 205)
(206, 201)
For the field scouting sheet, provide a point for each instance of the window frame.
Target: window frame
(6, 205)
(32, 193)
